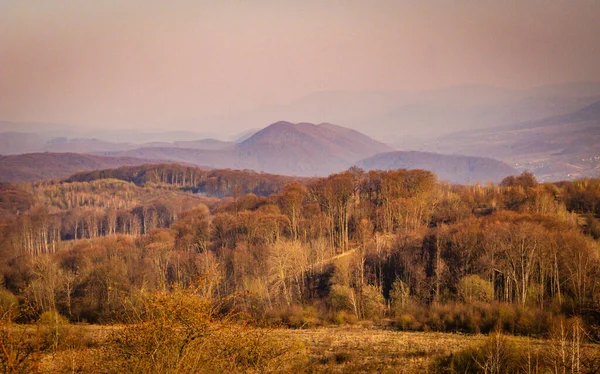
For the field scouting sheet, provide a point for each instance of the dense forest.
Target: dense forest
(394, 247)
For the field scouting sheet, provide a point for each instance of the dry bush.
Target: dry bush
(568, 352)
(181, 332)
(53, 329)
(45, 346)
(400, 295)
(295, 316)
(497, 355)
(565, 352)
(344, 318)
(373, 303)
(7, 300)
(473, 288)
(407, 322)
(477, 317)
(74, 360)
(343, 298)
(19, 347)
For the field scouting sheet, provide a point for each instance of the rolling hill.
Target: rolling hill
(306, 149)
(283, 148)
(563, 147)
(37, 166)
(451, 168)
(14, 143)
(302, 149)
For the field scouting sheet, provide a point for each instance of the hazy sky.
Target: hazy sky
(144, 62)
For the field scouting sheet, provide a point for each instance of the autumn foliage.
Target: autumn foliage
(395, 246)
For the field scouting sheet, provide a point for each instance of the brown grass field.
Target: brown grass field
(347, 349)
(359, 349)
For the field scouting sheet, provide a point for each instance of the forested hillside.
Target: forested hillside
(32, 167)
(352, 246)
(219, 183)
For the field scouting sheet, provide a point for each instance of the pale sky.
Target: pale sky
(142, 62)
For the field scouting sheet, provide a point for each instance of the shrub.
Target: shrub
(473, 288)
(408, 322)
(20, 348)
(53, 329)
(342, 298)
(410, 317)
(497, 355)
(52, 318)
(564, 353)
(344, 318)
(181, 332)
(373, 302)
(295, 316)
(400, 294)
(478, 317)
(7, 301)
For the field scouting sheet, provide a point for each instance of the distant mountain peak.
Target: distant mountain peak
(281, 123)
(306, 149)
(302, 149)
(588, 113)
(593, 108)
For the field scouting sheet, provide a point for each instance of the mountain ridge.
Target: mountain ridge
(286, 148)
(452, 168)
(563, 147)
(31, 167)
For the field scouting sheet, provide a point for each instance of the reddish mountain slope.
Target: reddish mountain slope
(36, 166)
(285, 148)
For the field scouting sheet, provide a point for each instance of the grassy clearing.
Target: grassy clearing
(349, 349)
(358, 349)
(324, 350)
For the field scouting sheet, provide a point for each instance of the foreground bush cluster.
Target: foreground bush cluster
(179, 332)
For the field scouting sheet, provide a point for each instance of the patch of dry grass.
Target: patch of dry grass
(362, 350)
(326, 350)
(349, 349)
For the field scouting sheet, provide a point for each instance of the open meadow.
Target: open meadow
(344, 349)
